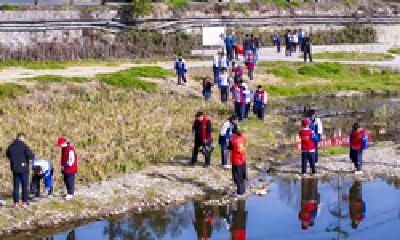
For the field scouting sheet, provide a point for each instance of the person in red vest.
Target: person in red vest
(309, 202)
(202, 137)
(358, 143)
(69, 165)
(260, 102)
(307, 138)
(239, 220)
(238, 160)
(357, 207)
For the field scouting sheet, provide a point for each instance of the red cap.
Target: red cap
(60, 141)
(305, 122)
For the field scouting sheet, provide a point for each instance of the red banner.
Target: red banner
(340, 141)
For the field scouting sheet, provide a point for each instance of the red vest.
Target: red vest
(262, 93)
(64, 160)
(204, 129)
(357, 139)
(238, 154)
(307, 143)
(239, 235)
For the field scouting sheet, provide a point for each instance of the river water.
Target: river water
(337, 208)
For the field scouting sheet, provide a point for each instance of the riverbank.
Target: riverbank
(152, 188)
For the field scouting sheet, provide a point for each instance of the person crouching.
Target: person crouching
(42, 169)
(69, 166)
(238, 159)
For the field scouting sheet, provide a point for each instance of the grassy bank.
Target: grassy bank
(295, 79)
(52, 64)
(353, 56)
(394, 50)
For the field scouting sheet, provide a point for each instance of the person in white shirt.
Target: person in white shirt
(223, 84)
(225, 136)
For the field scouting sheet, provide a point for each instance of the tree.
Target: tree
(140, 7)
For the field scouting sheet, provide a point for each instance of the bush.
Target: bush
(12, 90)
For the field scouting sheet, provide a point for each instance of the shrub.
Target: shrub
(12, 90)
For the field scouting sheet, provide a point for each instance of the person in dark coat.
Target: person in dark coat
(307, 45)
(202, 137)
(19, 155)
(207, 88)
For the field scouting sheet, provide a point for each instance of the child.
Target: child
(307, 138)
(260, 102)
(42, 169)
(207, 88)
(358, 143)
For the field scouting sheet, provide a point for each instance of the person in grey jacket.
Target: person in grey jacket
(19, 155)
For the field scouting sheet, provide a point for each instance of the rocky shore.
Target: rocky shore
(152, 188)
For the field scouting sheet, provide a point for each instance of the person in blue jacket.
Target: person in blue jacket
(277, 42)
(42, 169)
(230, 44)
(316, 126)
(227, 128)
(181, 70)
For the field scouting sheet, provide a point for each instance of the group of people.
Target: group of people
(295, 41)
(22, 160)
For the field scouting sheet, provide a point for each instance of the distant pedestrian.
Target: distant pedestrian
(277, 42)
(207, 88)
(247, 45)
(42, 169)
(230, 43)
(238, 146)
(69, 166)
(295, 41)
(19, 155)
(227, 129)
(358, 143)
(316, 126)
(223, 84)
(307, 138)
(202, 137)
(217, 65)
(307, 42)
(248, 95)
(256, 47)
(251, 64)
(181, 70)
(260, 102)
(237, 72)
(239, 102)
(300, 36)
(288, 42)
(235, 48)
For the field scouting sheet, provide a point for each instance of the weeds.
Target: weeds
(394, 50)
(11, 90)
(57, 78)
(353, 56)
(52, 64)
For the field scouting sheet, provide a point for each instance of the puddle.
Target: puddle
(338, 208)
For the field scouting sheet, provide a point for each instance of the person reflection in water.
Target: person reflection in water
(309, 202)
(204, 220)
(357, 207)
(239, 220)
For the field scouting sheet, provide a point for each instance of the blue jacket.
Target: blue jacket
(180, 67)
(314, 126)
(230, 41)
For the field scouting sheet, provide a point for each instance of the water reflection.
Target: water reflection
(357, 206)
(309, 202)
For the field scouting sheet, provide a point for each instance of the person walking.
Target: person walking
(307, 44)
(288, 37)
(238, 160)
(239, 101)
(300, 36)
(42, 169)
(256, 47)
(358, 143)
(19, 155)
(69, 165)
(223, 84)
(247, 46)
(207, 88)
(181, 70)
(217, 66)
(307, 138)
(230, 42)
(248, 95)
(260, 102)
(202, 137)
(251, 64)
(277, 42)
(316, 126)
(295, 41)
(227, 129)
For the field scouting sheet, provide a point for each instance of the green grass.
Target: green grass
(177, 3)
(11, 90)
(353, 56)
(51, 64)
(310, 78)
(279, 3)
(57, 78)
(333, 151)
(394, 50)
(9, 7)
(130, 78)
